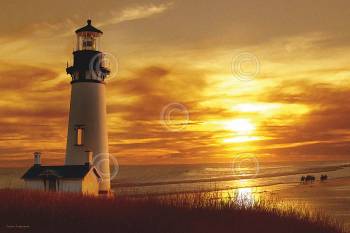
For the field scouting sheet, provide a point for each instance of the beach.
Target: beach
(332, 197)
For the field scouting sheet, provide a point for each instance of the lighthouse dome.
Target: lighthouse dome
(88, 28)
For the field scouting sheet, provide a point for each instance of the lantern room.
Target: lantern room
(88, 64)
(88, 37)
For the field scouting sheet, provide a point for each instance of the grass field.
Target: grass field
(30, 211)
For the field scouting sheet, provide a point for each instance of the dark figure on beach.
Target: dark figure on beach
(324, 177)
(307, 179)
(310, 178)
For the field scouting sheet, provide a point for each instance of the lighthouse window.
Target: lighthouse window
(80, 136)
(88, 43)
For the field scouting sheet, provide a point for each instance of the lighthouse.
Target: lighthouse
(86, 168)
(87, 129)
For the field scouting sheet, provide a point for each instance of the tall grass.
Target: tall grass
(29, 211)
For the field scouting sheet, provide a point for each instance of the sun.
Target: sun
(240, 126)
(241, 131)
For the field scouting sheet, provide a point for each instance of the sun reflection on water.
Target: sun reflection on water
(244, 193)
(245, 197)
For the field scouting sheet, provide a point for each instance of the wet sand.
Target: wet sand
(331, 197)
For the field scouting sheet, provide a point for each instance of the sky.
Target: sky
(193, 81)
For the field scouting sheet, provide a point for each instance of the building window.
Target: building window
(79, 136)
(76, 76)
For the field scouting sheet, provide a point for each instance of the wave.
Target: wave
(202, 190)
(302, 171)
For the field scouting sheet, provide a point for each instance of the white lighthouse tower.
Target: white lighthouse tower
(87, 129)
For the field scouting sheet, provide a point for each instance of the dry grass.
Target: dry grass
(28, 211)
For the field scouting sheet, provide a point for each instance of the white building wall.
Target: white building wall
(90, 185)
(70, 186)
(61, 186)
(34, 184)
(88, 108)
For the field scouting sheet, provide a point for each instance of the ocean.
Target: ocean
(248, 179)
(160, 179)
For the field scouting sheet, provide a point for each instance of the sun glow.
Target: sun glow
(240, 126)
(240, 139)
(257, 107)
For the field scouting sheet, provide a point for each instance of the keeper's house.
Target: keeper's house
(68, 178)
